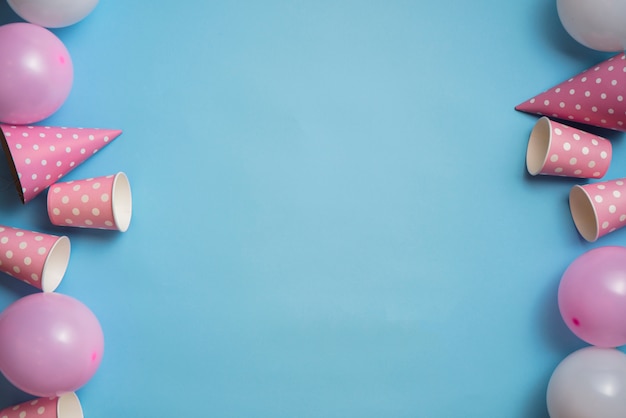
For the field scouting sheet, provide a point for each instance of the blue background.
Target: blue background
(332, 215)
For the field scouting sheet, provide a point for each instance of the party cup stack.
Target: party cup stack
(591, 382)
(39, 157)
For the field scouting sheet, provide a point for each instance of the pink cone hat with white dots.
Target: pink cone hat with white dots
(594, 97)
(41, 155)
(64, 406)
(33, 257)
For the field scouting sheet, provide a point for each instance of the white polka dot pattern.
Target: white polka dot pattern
(561, 150)
(37, 408)
(596, 97)
(23, 254)
(598, 208)
(102, 202)
(41, 155)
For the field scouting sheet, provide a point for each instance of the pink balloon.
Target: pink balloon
(36, 73)
(592, 296)
(51, 344)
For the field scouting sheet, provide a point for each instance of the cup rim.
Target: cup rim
(55, 266)
(121, 202)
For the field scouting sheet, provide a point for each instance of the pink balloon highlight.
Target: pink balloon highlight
(64, 406)
(36, 73)
(102, 202)
(41, 155)
(592, 296)
(594, 97)
(599, 208)
(560, 150)
(34, 258)
(51, 344)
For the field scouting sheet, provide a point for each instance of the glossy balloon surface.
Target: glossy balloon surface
(53, 13)
(592, 296)
(36, 73)
(51, 344)
(589, 383)
(599, 25)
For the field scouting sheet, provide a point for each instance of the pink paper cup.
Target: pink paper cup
(598, 209)
(64, 406)
(102, 203)
(35, 258)
(560, 150)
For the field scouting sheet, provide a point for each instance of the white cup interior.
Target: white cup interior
(68, 406)
(55, 265)
(121, 201)
(583, 213)
(538, 146)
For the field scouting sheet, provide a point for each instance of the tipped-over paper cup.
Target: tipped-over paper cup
(101, 202)
(598, 209)
(35, 258)
(64, 406)
(560, 150)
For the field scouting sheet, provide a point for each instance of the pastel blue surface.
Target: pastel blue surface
(332, 216)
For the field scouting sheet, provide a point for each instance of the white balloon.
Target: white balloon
(589, 383)
(53, 13)
(597, 24)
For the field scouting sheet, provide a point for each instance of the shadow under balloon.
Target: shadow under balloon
(559, 339)
(536, 406)
(554, 330)
(7, 15)
(549, 22)
(10, 395)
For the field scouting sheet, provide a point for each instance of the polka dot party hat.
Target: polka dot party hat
(594, 97)
(41, 155)
(64, 406)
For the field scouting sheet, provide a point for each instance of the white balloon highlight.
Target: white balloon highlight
(53, 13)
(589, 383)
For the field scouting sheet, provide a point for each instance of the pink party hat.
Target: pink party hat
(594, 97)
(64, 406)
(41, 155)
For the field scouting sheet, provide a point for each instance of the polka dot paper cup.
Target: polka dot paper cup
(35, 258)
(598, 209)
(64, 406)
(560, 150)
(101, 203)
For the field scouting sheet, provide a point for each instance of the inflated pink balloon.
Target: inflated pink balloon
(51, 344)
(36, 73)
(592, 296)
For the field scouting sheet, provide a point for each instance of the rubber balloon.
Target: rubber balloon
(36, 73)
(589, 383)
(599, 25)
(51, 344)
(592, 296)
(53, 13)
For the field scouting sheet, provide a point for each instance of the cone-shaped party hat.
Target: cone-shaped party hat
(41, 155)
(594, 97)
